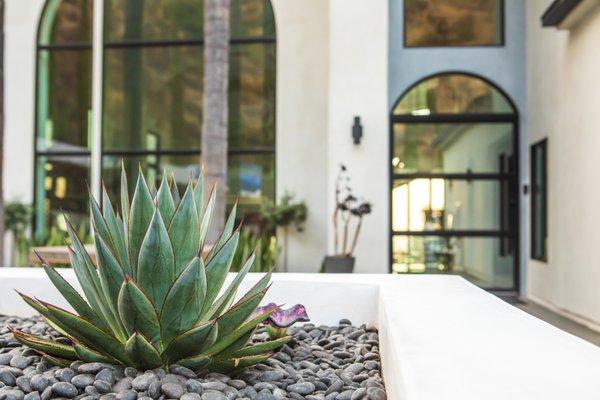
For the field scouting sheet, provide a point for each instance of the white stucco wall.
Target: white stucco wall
(563, 101)
(302, 87)
(358, 82)
(328, 69)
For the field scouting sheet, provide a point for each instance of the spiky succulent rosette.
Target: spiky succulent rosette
(152, 300)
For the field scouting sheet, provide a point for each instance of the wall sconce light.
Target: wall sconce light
(357, 130)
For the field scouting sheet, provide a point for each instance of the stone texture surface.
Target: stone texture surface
(320, 363)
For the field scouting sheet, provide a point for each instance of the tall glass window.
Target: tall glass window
(539, 201)
(432, 23)
(152, 99)
(454, 181)
(62, 129)
(152, 108)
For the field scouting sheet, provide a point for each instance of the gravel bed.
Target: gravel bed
(324, 362)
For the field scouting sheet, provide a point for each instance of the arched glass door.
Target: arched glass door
(454, 186)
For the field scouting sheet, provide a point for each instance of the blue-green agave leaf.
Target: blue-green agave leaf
(117, 233)
(184, 300)
(207, 217)
(73, 298)
(217, 269)
(164, 201)
(142, 211)
(183, 231)
(138, 313)
(88, 355)
(226, 234)
(124, 196)
(228, 295)
(111, 278)
(156, 265)
(141, 351)
(88, 334)
(191, 342)
(50, 347)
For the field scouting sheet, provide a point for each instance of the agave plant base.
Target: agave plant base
(341, 360)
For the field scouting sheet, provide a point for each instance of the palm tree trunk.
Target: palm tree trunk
(1, 133)
(215, 104)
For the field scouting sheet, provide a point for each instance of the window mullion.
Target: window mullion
(97, 76)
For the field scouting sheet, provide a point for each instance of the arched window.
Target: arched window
(153, 86)
(454, 187)
(63, 110)
(152, 110)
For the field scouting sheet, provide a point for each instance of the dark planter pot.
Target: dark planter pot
(338, 264)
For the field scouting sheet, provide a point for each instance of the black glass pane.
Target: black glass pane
(66, 21)
(440, 204)
(64, 100)
(152, 98)
(480, 260)
(453, 22)
(134, 20)
(252, 18)
(60, 186)
(453, 94)
(451, 148)
(252, 96)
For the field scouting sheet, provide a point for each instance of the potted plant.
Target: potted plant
(286, 213)
(348, 208)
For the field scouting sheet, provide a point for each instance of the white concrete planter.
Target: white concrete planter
(441, 337)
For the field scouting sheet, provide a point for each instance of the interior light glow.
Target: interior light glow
(421, 111)
(61, 187)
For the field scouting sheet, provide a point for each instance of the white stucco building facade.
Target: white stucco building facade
(338, 59)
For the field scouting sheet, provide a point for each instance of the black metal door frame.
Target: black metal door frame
(506, 234)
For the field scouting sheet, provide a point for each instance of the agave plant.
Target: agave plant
(152, 300)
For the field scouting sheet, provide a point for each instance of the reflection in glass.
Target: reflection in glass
(252, 95)
(452, 22)
(152, 97)
(60, 186)
(477, 259)
(452, 94)
(64, 100)
(153, 19)
(252, 18)
(439, 204)
(251, 180)
(451, 148)
(66, 21)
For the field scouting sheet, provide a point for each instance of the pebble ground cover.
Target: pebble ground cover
(320, 363)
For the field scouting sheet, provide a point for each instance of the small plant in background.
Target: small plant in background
(17, 217)
(152, 300)
(286, 213)
(264, 246)
(280, 320)
(348, 207)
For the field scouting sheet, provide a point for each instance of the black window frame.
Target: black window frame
(543, 187)
(190, 42)
(502, 42)
(38, 153)
(509, 235)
